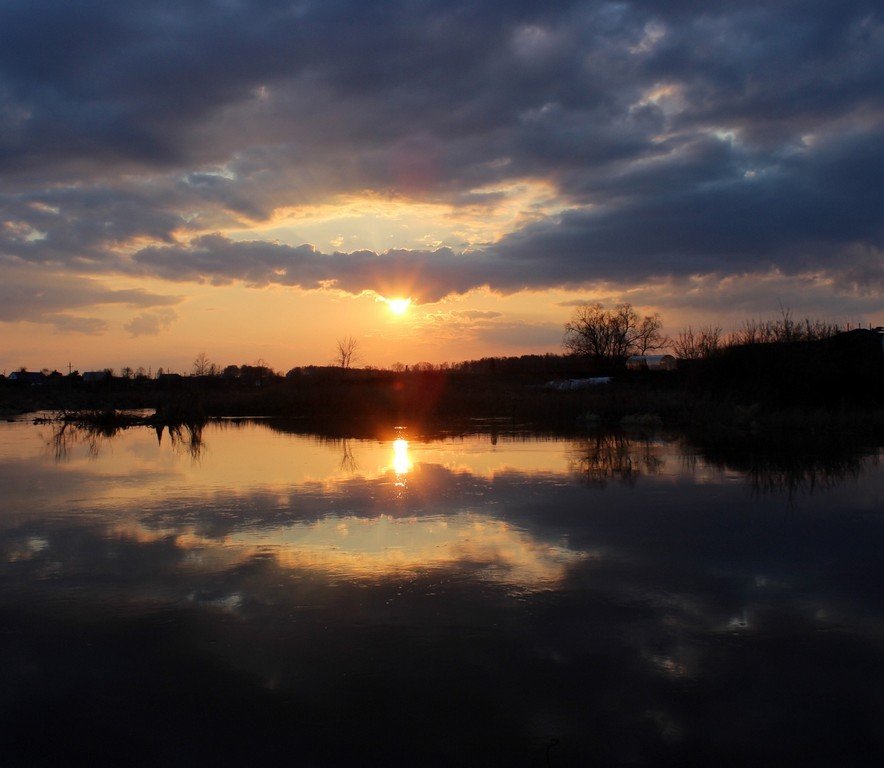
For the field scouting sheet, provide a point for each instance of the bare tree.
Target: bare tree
(612, 334)
(698, 345)
(647, 336)
(348, 352)
(201, 365)
(783, 329)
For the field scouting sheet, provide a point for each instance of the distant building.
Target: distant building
(652, 363)
(27, 377)
(93, 377)
(868, 338)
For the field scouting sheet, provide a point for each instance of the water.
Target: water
(263, 597)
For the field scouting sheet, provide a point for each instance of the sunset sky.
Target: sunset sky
(253, 178)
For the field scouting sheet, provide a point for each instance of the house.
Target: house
(28, 377)
(871, 339)
(652, 363)
(93, 377)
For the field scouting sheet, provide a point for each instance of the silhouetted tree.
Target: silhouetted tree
(347, 352)
(697, 345)
(202, 366)
(783, 329)
(612, 334)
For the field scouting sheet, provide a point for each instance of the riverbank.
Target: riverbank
(343, 403)
(830, 386)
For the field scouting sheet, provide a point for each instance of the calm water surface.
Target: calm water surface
(263, 597)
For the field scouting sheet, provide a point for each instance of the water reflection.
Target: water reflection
(348, 459)
(604, 457)
(95, 434)
(786, 464)
(438, 602)
(386, 546)
(186, 437)
(402, 464)
(597, 459)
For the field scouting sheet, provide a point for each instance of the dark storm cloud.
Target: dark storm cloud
(431, 274)
(802, 215)
(81, 226)
(738, 138)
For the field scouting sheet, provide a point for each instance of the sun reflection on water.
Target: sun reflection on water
(402, 464)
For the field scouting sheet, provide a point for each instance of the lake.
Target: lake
(253, 595)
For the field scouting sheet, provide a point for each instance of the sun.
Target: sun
(398, 306)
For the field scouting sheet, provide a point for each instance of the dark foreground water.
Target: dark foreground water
(264, 598)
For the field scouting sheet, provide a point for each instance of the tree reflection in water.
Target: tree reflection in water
(69, 432)
(186, 437)
(770, 466)
(604, 457)
(782, 464)
(788, 465)
(348, 460)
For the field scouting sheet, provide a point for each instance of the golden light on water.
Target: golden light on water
(401, 462)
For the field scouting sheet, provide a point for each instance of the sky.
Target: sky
(255, 179)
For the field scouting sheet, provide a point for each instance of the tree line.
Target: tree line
(606, 336)
(614, 335)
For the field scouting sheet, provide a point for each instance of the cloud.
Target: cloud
(91, 326)
(737, 140)
(31, 294)
(475, 314)
(151, 323)
(432, 275)
(424, 275)
(522, 334)
(756, 295)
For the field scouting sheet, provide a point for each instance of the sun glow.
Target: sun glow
(401, 462)
(398, 306)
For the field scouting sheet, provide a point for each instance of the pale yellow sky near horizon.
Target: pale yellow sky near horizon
(288, 327)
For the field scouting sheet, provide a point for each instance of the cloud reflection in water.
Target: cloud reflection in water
(603, 593)
(385, 546)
